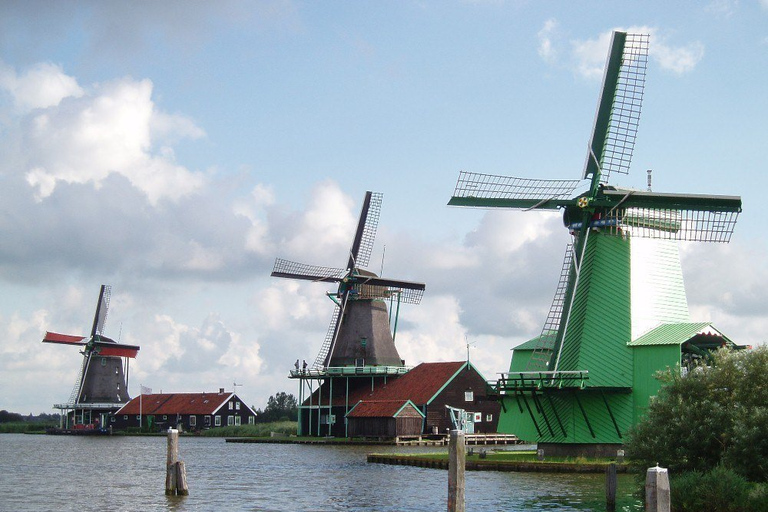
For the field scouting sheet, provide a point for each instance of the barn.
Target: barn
(384, 418)
(186, 411)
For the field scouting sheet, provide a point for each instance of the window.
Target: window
(237, 421)
(103, 361)
(192, 421)
(125, 417)
(217, 421)
(237, 406)
(231, 405)
(230, 420)
(165, 416)
(138, 416)
(469, 396)
(207, 421)
(489, 417)
(250, 420)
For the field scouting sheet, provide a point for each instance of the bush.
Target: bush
(711, 416)
(720, 490)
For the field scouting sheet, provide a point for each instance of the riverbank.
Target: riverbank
(520, 461)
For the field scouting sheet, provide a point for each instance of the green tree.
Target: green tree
(714, 415)
(280, 406)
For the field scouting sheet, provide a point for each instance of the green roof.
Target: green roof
(676, 334)
(530, 344)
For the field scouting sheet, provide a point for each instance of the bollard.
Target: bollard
(657, 490)
(176, 473)
(610, 487)
(540, 453)
(456, 462)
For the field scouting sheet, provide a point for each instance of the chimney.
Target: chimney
(221, 391)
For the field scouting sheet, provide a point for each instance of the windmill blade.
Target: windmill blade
(367, 224)
(294, 270)
(110, 348)
(489, 191)
(65, 339)
(690, 217)
(102, 307)
(381, 288)
(618, 111)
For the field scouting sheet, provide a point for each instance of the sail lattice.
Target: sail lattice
(627, 104)
(488, 186)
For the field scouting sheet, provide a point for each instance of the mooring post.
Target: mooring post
(176, 473)
(657, 490)
(456, 465)
(610, 487)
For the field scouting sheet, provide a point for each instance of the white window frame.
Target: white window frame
(192, 420)
(230, 420)
(469, 396)
(217, 420)
(237, 421)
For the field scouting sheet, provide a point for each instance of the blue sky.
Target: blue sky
(174, 149)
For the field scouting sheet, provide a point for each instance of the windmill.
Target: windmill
(359, 344)
(620, 277)
(359, 333)
(101, 385)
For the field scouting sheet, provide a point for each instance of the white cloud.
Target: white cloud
(589, 55)
(42, 85)
(546, 49)
(76, 136)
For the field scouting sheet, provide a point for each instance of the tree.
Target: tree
(714, 415)
(281, 406)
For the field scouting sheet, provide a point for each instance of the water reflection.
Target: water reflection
(128, 473)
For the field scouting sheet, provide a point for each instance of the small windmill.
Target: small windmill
(359, 333)
(621, 274)
(102, 381)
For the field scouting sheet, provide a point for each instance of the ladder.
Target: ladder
(542, 353)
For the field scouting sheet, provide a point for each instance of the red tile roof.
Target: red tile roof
(378, 408)
(421, 384)
(177, 403)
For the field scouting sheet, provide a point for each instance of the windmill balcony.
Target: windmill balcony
(344, 371)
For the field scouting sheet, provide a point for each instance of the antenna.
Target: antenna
(469, 343)
(649, 179)
(383, 253)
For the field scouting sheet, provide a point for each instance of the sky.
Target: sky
(174, 149)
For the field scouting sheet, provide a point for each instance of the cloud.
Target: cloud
(546, 49)
(42, 85)
(109, 130)
(588, 56)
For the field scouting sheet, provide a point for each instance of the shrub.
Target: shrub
(719, 490)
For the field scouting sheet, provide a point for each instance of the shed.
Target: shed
(384, 418)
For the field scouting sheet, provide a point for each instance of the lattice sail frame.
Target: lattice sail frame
(672, 224)
(626, 108)
(489, 186)
(312, 272)
(369, 231)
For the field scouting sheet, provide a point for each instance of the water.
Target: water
(118, 473)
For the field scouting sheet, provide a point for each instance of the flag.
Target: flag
(145, 390)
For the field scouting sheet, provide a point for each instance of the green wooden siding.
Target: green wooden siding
(648, 361)
(600, 325)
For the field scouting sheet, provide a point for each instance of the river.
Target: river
(64, 473)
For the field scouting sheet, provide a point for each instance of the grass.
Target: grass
(24, 427)
(509, 456)
(257, 430)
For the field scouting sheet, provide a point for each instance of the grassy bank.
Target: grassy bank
(25, 427)
(258, 430)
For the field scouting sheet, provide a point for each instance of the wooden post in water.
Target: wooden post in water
(657, 490)
(610, 487)
(176, 473)
(456, 466)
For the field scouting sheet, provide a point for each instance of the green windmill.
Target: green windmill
(580, 385)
